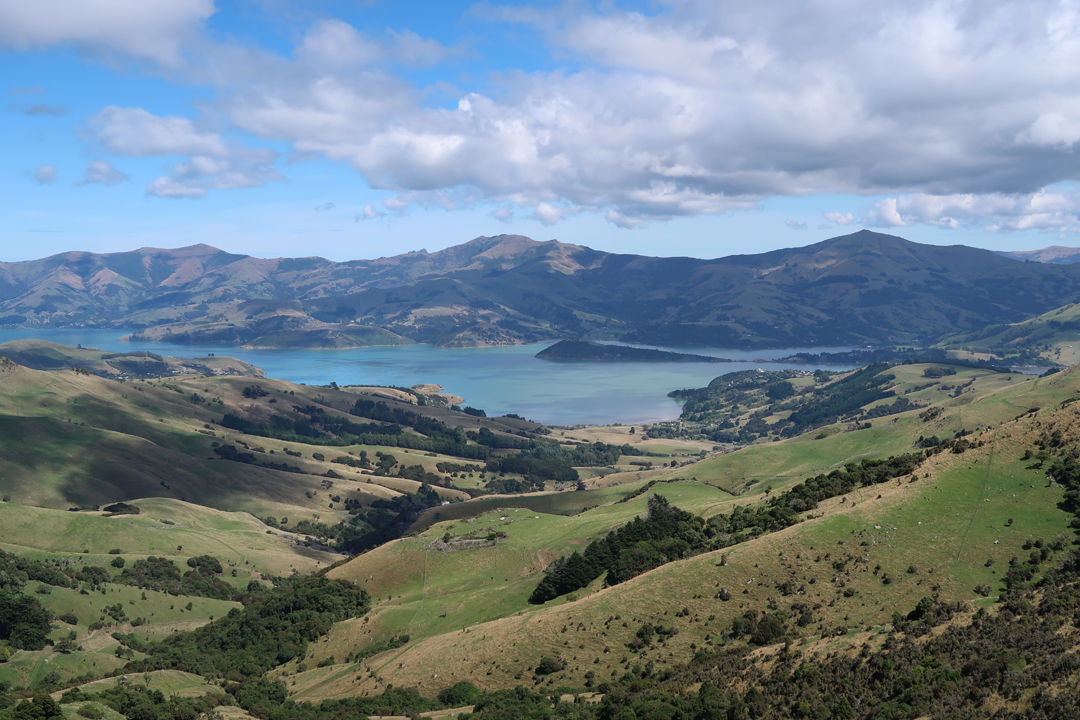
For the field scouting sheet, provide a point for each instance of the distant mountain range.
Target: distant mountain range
(858, 289)
(1057, 254)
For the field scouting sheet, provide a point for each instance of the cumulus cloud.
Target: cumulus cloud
(213, 163)
(191, 179)
(623, 221)
(839, 218)
(705, 108)
(695, 108)
(1054, 209)
(795, 225)
(44, 174)
(101, 172)
(153, 31)
(136, 132)
(547, 214)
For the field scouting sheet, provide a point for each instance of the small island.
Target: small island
(598, 352)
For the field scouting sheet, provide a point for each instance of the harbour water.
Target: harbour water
(499, 380)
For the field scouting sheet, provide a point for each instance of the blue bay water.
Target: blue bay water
(500, 380)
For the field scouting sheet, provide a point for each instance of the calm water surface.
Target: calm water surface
(500, 380)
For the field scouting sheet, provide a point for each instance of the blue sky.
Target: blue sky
(362, 129)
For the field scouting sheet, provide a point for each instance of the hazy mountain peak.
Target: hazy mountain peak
(199, 249)
(1056, 254)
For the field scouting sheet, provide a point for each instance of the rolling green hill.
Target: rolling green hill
(1048, 337)
(920, 573)
(946, 530)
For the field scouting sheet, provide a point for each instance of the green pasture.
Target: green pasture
(168, 528)
(422, 588)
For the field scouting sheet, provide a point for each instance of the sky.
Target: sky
(369, 128)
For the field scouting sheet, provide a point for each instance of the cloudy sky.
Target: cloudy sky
(361, 129)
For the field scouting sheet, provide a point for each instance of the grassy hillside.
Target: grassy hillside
(1048, 337)
(449, 599)
(946, 531)
(163, 526)
(73, 439)
(45, 355)
(968, 400)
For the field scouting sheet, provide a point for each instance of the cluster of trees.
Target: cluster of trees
(484, 436)
(161, 574)
(829, 403)
(901, 404)
(229, 452)
(360, 462)
(316, 426)
(534, 468)
(732, 394)
(252, 392)
(15, 571)
(745, 388)
(135, 701)
(247, 643)
(384, 521)
(807, 494)
(667, 533)
(23, 623)
(451, 467)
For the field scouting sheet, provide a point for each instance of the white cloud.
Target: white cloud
(153, 31)
(44, 174)
(213, 163)
(839, 218)
(136, 132)
(101, 172)
(886, 214)
(334, 44)
(192, 178)
(695, 108)
(623, 221)
(504, 213)
(795, 225)
(408, 48)
(1052, 129)
(1054, 209)
(547, 214)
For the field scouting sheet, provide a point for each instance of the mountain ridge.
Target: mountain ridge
(857, 289)
(1052, 254)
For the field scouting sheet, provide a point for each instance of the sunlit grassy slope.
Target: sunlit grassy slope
(69, 439)
(1056, 334)
(945, 531)
(168, 528)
